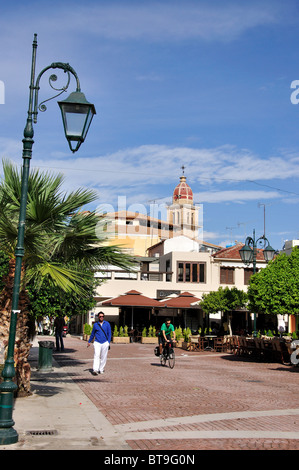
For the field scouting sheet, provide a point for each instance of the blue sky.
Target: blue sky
(204, 84)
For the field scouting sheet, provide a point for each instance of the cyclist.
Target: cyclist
(165, 334)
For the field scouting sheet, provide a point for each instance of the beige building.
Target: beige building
(136, 232)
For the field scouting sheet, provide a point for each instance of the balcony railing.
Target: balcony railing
(156, 276)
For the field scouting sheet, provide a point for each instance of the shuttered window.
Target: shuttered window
(227, 275)
(248, 272)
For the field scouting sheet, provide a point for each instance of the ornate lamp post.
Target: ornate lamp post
(77, 114)
(249, 253)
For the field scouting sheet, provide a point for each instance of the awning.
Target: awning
(132, 299)
(183, 300)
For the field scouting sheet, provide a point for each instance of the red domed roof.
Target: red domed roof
(182, 193)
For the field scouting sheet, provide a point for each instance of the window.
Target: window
(180, 272)
(168, 276)
(227, 275)
(191, 272)
(248, 272)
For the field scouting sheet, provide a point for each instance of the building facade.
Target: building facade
(171, 260)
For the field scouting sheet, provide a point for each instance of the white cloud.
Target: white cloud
(237, 196)
(157, 21)
(150, 20)
(137, 172)
(10, 149)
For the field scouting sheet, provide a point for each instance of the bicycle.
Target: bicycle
(168, 354)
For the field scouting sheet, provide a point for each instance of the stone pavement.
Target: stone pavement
(209, 401)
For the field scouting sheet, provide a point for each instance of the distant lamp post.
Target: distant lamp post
(249, 254)
(77, 114)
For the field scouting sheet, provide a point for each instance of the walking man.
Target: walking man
(59, 323)
(101, 333)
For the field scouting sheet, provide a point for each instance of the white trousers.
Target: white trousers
(100, 356)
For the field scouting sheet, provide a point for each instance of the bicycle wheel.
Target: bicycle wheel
(171, 360)
(162, 360)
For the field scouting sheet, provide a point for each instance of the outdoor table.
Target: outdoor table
(209, 338)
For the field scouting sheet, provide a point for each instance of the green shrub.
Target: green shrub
(115, 331)
(144, 332)
(87, 329)
(186, 333)
(178, 333)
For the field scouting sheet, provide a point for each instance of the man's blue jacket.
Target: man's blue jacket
(98, 334)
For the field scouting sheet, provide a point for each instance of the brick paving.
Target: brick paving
(208, 401)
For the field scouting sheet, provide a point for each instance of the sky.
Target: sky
(209, 85)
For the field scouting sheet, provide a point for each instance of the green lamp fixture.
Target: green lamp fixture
(77, 114)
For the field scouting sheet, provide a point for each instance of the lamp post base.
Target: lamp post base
(8, 436)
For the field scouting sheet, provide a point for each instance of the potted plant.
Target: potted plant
(121, 335)
(87, 329)
(150, 336)
(186, 343)
(179, 337)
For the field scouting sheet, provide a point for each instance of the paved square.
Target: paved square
(208, 401)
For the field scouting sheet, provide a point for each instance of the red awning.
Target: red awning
(133, 298)
(183, 300)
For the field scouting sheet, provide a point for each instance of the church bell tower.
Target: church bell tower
(182, 213)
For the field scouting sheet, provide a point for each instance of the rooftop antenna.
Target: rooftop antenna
(259, 205)
(231, 232)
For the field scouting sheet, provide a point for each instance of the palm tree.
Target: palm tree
(61, 241)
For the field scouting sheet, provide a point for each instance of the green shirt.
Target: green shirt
(167, 329)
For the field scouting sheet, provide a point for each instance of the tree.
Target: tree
(224, 300)
(275, 289)
(62, 248)
(4, 260)
(48, 300)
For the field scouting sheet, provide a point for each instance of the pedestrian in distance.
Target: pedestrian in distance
(101, 334)
(59, 323)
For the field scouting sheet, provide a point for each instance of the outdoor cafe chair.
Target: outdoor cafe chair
(194, 342)
(236, 345)
(219, 345)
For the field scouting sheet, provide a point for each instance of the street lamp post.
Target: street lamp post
(77, 114)
(249, 254)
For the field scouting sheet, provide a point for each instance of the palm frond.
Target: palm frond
(58, 232)
(66, 279)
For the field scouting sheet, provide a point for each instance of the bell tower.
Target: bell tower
(182, 213)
